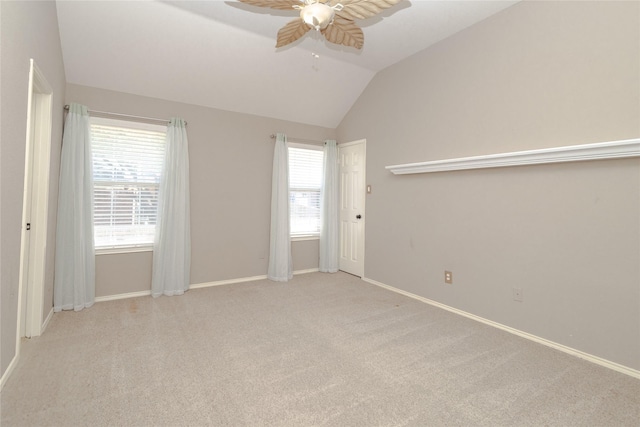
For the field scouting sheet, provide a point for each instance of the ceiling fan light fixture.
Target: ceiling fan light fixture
(317, 15)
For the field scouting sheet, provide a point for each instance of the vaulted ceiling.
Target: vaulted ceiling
(222, 54)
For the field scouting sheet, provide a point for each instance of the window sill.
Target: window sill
(303, 238)
(123, 250)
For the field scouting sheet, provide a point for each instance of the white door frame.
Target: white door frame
(363, 142)
(33, 247)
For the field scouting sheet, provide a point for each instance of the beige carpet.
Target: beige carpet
(325, 350)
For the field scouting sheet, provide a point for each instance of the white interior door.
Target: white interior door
(26, 279)
(35, 206)
(352, 201)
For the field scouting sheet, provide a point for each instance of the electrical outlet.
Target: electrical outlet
(448, 277)
(517, 294)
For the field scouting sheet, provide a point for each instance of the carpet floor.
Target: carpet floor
(320, 350)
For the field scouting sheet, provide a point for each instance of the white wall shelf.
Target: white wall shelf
(572, 153)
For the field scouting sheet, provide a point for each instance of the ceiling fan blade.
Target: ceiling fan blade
(344, 32)
(274, 4)
(363, 9)
(292, 32)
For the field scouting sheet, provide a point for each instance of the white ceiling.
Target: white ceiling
(222, 54)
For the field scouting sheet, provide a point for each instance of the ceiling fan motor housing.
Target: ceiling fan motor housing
(317, 15)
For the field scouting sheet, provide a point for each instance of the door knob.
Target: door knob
(358, 216)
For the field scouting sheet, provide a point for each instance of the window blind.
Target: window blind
(127, 166)
(305, 183)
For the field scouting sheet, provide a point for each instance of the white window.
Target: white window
(127, 165)
(305, 183)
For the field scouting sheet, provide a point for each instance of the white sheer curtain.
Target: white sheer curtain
(172, 245)
(329, 234)
(74, 283)
(280, 263)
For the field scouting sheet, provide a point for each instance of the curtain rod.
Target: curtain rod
(299, 140)
(107, 113)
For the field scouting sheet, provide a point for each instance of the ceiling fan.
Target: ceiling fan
(335, 19)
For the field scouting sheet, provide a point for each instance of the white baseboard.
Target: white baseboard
(16, 357)
(572, 351)
(244, 279)
(123, 296)
(309, 270)
(9, 370)
(46, 321)
(198, 286)
(227, 282)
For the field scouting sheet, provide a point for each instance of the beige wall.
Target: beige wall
(539, 74)
(231, 157)
(28, 30)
